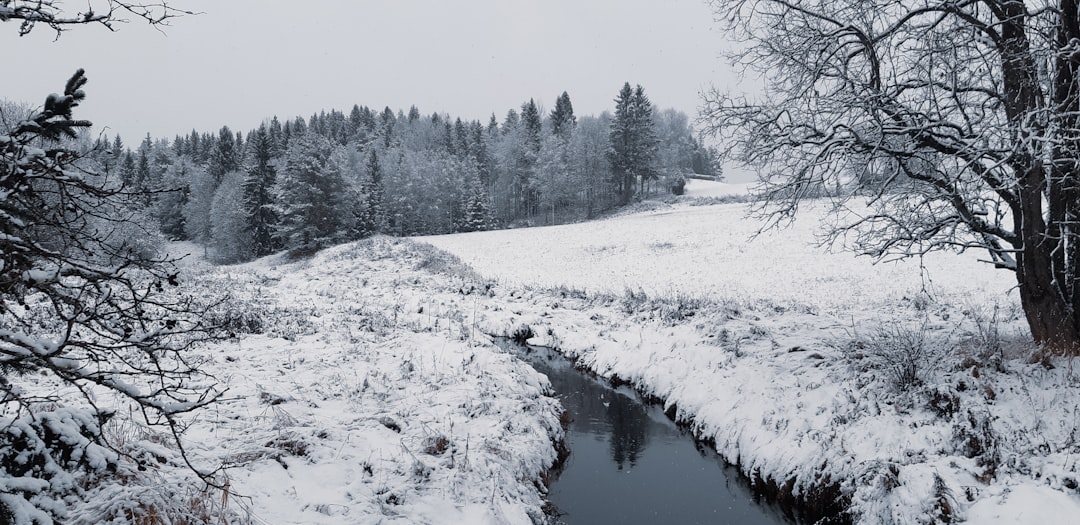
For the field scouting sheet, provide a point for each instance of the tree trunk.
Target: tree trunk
(1052, 326)
(1042, 273)
(1053, 322)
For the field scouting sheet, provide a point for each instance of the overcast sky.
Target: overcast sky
(241, 61)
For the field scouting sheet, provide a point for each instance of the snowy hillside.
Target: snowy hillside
(355, 395)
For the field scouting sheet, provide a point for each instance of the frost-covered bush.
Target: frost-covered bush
(434, 260)
(90, 318)
(906, 356)
(45, 453)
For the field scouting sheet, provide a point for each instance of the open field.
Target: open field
(901, 388)
(712, 251)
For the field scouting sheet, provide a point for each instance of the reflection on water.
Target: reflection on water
(630, 464)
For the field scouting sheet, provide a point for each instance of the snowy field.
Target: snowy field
(364, 387)
(709, 251)
(708, 188)
(791, 359)
(355, 395)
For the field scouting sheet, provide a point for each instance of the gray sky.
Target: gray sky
(241, 61)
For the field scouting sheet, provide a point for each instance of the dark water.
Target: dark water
(630, 464)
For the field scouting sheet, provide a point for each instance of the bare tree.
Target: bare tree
(967, 110)
(108, 13)
(83, 305)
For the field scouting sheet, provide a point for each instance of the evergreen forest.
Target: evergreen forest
(304, 184)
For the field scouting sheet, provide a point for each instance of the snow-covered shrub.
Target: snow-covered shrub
(720, 199)
(90, 317)
(521, 333)
(143, 486)
(236, 321)
(674, 308)
(45, 453)
(906, 356)
(990, 339)
(434, 260)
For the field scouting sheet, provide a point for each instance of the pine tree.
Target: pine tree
(277, 137)
(478, 150)
(633, 141)
(312, 195)
(477, 212)
(129, 172)
(171, 202)
(200, 197)
(193, 145)
(530, 136)
(371, 217)
(562, 117)
(511, 121)
(224, 156)
(356, 121)
(532, 125)
(257, 193)
(179, 145)
(141, 179)
(387, 125)
(461, 138)
(160, 160)
(646, 140)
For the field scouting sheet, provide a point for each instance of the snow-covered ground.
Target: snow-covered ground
(708, 188)
(709, 251)
(791, 358)
(363, 386)
(355, 395)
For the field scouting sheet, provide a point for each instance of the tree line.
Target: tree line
(304, 184)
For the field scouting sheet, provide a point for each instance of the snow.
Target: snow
(360, 404)
(373, 393)
(768, 348)
(708, 188)
(711, 251)
(1024, 504)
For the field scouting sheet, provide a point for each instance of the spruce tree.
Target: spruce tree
(172, 200)
(645, 137)
(129, 171)
(477, 212)
(141, 180)
(633, 143)
(562, 117)
(531, 127)
(371, 218)
(386, 125)
(257, 192)
(312, 195)
(224, 156)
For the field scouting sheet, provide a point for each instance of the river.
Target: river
(630, 464)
